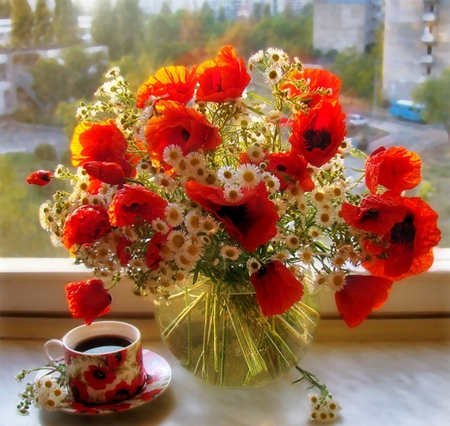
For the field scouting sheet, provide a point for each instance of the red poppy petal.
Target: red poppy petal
(88, 299)
(276, 288)
(360, 295)
(108, 172)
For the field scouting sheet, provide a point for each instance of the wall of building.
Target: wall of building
(408, 60)
(338, 26)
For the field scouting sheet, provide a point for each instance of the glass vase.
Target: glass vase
(219, 334)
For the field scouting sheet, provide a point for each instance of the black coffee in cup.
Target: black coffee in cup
(103, 344)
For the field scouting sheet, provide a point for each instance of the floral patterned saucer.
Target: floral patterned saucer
(159, 374)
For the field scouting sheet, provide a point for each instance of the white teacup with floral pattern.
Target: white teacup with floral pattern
(103, 360)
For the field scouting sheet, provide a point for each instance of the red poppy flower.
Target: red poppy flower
(110, 173)
(99, 142)
(133, 203)
(116, 359)
(182, 126)
(78, 390)
(407, 249)
(318, 134)
(40, 177)
(375, 214)
(394, 168)
(360, 295)
(153, 257)
(174, 83)
(98, 377)
(223, 78)
(303, 83)
(251, 221)
(276, 288)
(88, 299)
(84, 225)
(121, 250)
(290, 167)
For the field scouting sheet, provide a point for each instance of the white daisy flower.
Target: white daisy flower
(292, 241)
(273, 74)
(248, 175)
(306, 255)
(194, 160)
(315, 232)
(172, 154)
(166, 183)
(193, 222)
(271, 181)
(255, 154)
(210, 225)
(193, 250)
(173, 214)
(325, 217)
(256, 58)
(253, 265)
(176, 240)
(278, 56)
(281, 256)
(232, 193)
(230, 252)
(183, 261)
(226, 174)
(336, 280)
(159, 225)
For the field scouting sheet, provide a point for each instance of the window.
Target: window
(374, 57)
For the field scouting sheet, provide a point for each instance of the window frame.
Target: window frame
(35, 287)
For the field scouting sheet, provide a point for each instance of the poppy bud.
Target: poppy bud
(40, 177)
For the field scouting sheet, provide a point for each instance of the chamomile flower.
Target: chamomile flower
(173, 214)
(248, 175)
(306, 255)
(294, 192)
(226, 174)
(255, 154)
(273, 74)
(281, 256)
(292, 241)
(176, 240)
(230, 252)
(325, 217)
(172, 154)
(277, 56)
(232, 193)
(166, 183)
(209, 225)
(315, 232)
(183, 261)
(271, 181)
(193, 222)
(193, 250)
(194, 160)
(336, 280)
(46, 216)
(253, 265)
(256, 58)
(159, 225)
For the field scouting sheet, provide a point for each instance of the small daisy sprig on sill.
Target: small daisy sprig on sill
(49, 392)
(324, 408)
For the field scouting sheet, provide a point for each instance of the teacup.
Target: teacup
(103, 361)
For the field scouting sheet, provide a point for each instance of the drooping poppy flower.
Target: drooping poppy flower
(153, 256)
(360, 295)
(182, 126)
(251, 221)
(100, 142)
(110, 173)
(407, 249)
(276, 288)
(40, 178)
(88, 299)
(86, 224)
(133, 203)
(223, 78)
(174, 83)
(290, 167)
(394, 168)
(303, 83)
(318, 134)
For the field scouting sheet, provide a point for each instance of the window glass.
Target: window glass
(392, 56)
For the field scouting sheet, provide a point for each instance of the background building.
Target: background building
(352, 22)
(416, 44)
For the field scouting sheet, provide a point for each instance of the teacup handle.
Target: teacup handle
(52, 343)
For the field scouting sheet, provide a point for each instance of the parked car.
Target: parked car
(356, 120)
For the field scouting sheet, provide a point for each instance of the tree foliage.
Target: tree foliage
(65, 23)
(434, 93)
(43, 25)
(22, 24)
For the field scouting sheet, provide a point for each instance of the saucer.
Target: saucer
(159, 374)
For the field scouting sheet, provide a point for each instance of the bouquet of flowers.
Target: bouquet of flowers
(235, 172)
